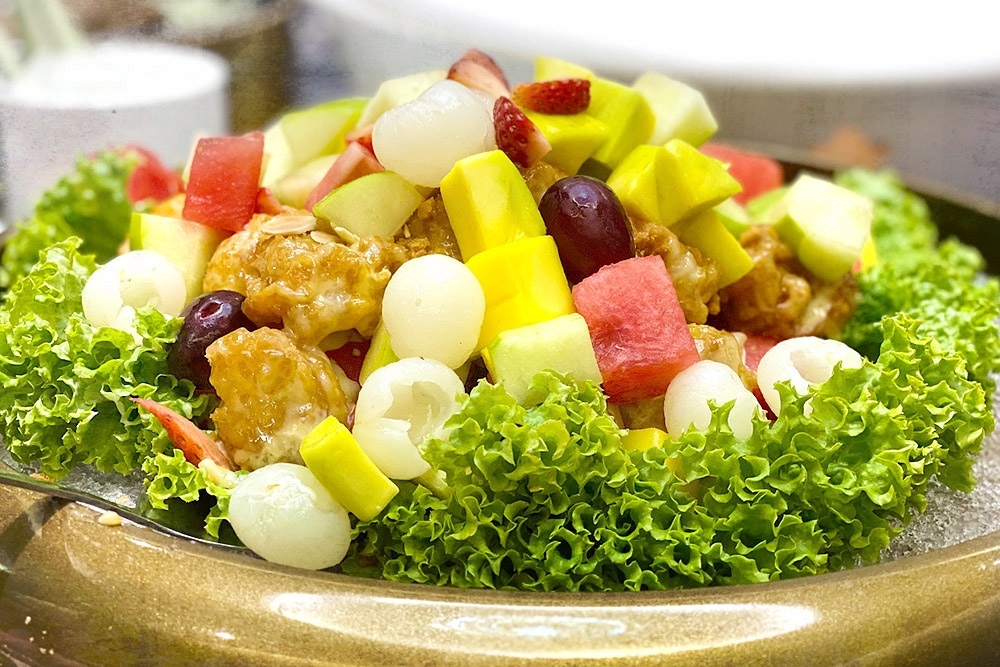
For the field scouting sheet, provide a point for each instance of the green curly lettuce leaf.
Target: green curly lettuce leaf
(545, 498)
(170, 476)
(65, 386)
(939, 286)
(91, 202)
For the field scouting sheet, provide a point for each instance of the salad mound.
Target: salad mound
(428, 336)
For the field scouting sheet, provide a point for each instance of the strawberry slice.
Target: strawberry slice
(560, 96)
(195, 443)
(478, 71)
(517, 136)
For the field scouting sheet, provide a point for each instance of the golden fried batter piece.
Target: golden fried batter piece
(273, 392)
(428, 231)
(695, 276)
(540, 177)
(781, 298)
(310, 282)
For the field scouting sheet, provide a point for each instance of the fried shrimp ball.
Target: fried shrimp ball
(779, 297)
(311, 282)
(695, 276)
(273, 392)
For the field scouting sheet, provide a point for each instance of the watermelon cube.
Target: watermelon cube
(224, 181)
(756, 173)
(637, 326)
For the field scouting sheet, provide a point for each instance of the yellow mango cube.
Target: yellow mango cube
(706, 232)
(488, 203)
(574, 138)
(524, 284)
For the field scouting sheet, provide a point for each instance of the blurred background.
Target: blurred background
(855, 83)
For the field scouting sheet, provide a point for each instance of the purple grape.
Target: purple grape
(588, 223)
(206, 319)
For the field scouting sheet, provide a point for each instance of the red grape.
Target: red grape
(588, 223)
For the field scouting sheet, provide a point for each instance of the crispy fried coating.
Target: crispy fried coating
(311, 283)
(695, 276)
(273, 391)
(781, 298)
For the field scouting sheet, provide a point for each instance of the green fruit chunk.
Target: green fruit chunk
(488, 203)
(734, 217)
(681, 111)
(188, 245)
(333, 455)
(377, 204)
(574, 138)
(562, 344)
(758, 208)
(664, 184)
(827, 225)
(320, 130)
(379, 353)
(624, 111)
(707, 233)
(399, 91)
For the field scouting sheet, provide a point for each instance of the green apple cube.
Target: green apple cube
(665, 184)
(188, 245)
(827, 225)
(278, 161)
(681, 111)
(628, 116)
(621, 108)
(294, 189)
(379, 353)
(561, 344)
(760, 206)
(377, 204)
(488, 203)
(399, 91)
(320, 130)
(574, 138)
(706, 232)
(734, 217)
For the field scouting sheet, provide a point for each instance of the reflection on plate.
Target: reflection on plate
(74, 591)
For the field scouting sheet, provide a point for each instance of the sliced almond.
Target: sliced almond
(323, 237)
(349, 237)
(289, 224)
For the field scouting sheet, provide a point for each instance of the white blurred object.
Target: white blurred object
(83, 100)
(926, 83)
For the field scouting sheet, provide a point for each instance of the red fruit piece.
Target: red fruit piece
(756, 173)
(356, 161)
(641, 339)
(268, 203)
(753, 350)
(560, 96)
(350, 356)
(516, 135)
(362, 135)
(150, 179)
(225, 177)
(478, 71)
(195, 443)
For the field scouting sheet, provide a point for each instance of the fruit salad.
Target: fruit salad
(542, 336)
